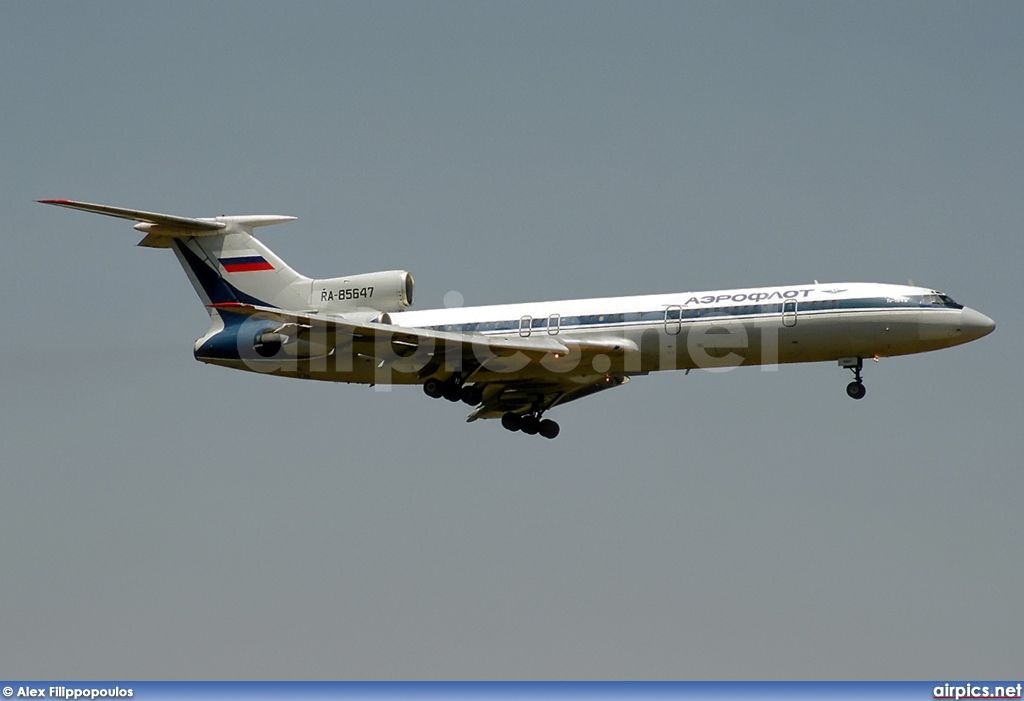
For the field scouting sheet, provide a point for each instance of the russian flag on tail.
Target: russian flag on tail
(245, 264)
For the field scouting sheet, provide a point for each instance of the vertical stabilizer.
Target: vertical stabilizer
(237, 267)
(221, 257)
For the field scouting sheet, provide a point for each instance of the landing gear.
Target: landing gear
(511, 422)
(548, 428)
(856, 388)
(453, 390)
(472, 394)
(530, 424)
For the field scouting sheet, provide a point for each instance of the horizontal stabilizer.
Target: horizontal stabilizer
(141, 216)
(161, 228)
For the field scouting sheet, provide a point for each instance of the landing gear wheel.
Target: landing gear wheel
(548, 428)
(452, 391)
(529, 425)
(433, 388)
(472, 395)
(511, 422)
(856, 388)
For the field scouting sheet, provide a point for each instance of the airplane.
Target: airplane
(516, 362)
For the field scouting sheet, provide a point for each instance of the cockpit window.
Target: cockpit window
(939, 300)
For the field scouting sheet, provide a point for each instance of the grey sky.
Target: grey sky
(164, 519)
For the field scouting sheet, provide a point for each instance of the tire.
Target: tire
(511, 422)
(433, 388)
(856, 390)
(451, 391)
(472, 395)
(529, 425)
(548, 428)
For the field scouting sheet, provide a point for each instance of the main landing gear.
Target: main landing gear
(856, 388)
(530, 424)
(453, 390)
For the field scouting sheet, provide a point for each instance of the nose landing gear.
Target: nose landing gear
(856, 388)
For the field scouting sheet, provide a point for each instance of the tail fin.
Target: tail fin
(221, 257)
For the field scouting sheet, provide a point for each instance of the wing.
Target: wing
(535, 384)
(496, 353)
(526, 396)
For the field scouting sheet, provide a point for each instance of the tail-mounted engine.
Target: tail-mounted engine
(389, 291)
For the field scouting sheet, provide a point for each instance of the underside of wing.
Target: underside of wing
(537, 396)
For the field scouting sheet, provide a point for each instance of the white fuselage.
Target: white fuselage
(688, 330)
(799, 323)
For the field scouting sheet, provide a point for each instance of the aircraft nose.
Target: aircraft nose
(974, 324)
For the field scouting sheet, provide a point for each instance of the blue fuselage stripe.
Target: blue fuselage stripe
(673, 315)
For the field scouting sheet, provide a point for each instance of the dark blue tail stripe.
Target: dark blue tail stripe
(216, 287)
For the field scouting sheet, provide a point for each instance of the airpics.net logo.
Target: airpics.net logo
(977, 691)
